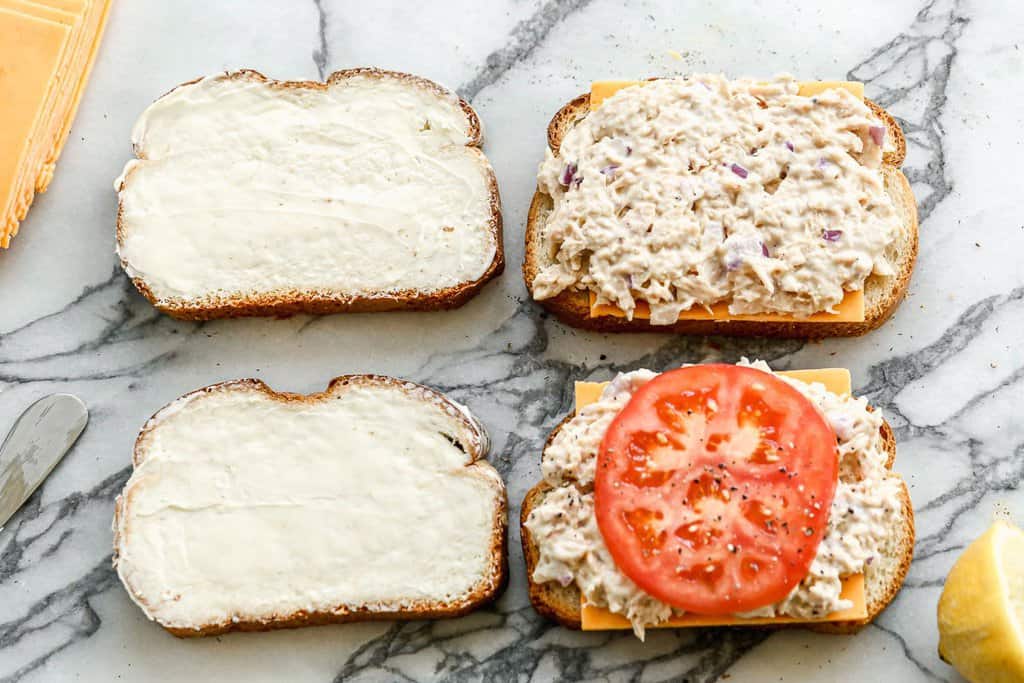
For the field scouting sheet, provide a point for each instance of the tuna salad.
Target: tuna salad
(689, 192)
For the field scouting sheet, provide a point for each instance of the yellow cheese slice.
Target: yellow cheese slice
(85, 19)
(76, 6)
(51, 117)
(602, 90)
(836, 380)
(94, 34)
(850, 309)
(30, 56)
(598, 619)
(811, 88)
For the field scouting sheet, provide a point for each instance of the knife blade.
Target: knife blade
(36, 443)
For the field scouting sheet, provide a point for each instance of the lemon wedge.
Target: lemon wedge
(981, 611)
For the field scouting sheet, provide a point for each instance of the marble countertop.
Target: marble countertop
(943, 370)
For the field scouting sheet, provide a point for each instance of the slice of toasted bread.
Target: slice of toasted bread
(250, 196)
(881, 295)
(249, 509)
(883, 577)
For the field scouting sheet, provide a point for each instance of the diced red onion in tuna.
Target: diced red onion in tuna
(823, 162)
(789, 146)
(877, 134)
(831, 235)
(739, 170)
(739, 250)
(610, 170)
(568, 174)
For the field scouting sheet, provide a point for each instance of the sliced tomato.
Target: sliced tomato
(713, 488)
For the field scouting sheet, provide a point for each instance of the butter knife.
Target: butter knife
(36, 443)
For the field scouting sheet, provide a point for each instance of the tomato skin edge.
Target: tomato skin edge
(813, 453)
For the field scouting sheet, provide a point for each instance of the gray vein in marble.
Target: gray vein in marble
(538, 644)
(22, 544)
(111, 312)
(887, 380)
(525, 38)
(907, 653)
(321, 55)
(937, 28)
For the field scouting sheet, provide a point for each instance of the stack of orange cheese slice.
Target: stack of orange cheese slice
(47, 48)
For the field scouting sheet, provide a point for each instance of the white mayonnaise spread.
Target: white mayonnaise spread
(864, 510)
(365, 186)
(688, 192)
(246, 506)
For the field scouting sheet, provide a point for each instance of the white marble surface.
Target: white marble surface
(947, 370)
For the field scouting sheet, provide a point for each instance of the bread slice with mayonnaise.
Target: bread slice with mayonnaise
(249, 509)
(883, 574)
(250, 196)
(881, 293)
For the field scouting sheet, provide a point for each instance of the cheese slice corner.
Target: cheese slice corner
(836, 380)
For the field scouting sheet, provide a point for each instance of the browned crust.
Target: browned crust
(290, 302)
(561, 604)
(573, 307)
(476, 445)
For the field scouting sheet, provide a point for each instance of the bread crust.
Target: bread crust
(290, 302)
(474, 441)
(572, 307)
(562, 604)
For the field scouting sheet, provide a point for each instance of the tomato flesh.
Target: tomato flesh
(713, 488)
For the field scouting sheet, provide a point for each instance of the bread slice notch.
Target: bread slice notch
(251, 196)
(883, 578)
(881, 294)
(249, 509)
